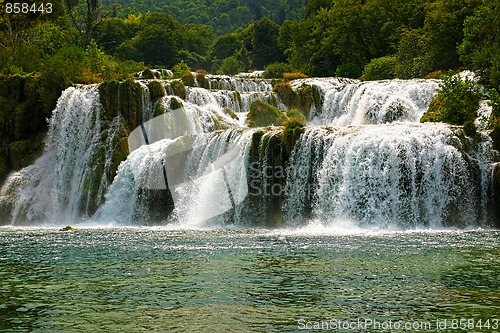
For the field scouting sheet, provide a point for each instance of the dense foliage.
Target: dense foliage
(456, 103)
(223, 16)
(376, 38)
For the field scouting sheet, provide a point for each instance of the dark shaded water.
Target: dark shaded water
(245, 280)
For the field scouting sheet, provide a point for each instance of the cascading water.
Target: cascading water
(377, 102)
(206, 169)
(54, 188)
(402, 175)
(190, 164)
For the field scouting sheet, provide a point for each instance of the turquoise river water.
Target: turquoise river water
(138, 279)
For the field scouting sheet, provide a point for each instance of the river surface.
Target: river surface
(157, 279)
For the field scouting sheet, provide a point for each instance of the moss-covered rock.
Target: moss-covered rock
(495, 136)
(230, 113)
(124, 98)
(201, 79)
(254, 148)
(178, 88)
(147, 74)
(302, 99)
(188, 79)
(294, 127)
(286, 93)
(433, 113)
(156, 90)
(159, 109)
(68, 228)
(295, 113)
(175, 104)
(263, 114)
(23, 153)
(470, 128)
(496, 193)
(22, 118)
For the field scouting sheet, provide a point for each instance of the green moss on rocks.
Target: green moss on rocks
(295, 113)
(433, 113)
(175, 104)
(495, 136)
(230, 113)
(286, 93)
(147, 74)
(202, 80)
(124, 98)
(302, 99)
(496, 193)
(264, 114)
(294, 127)
(156, 90)
(188, 79)
(22, 121)
(178, 88)
(159, 109)
(470, 128)
(305, 99)
(254, 148)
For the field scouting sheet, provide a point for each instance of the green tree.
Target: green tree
(265, 48)
(380, 68)
(226, 46)
(443, 30)
(413, 55)
(480, 48)
(156, 45)
(231, 66)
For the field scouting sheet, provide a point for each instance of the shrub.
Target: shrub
(276, 70)
(231, 66)
(495, 103)
(380, 68)
(264, 114)
(181, 69)
(294, 75)
(348, 70)
(457, 101)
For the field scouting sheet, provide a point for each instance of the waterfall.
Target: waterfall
(196, 167)
(363, 159)
(400, 175)
(55, 187)
(377, 102)
(237, 100)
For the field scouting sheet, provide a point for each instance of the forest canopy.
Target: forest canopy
(371, 39)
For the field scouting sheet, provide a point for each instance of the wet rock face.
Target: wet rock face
(496, 192)
(22, 122)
